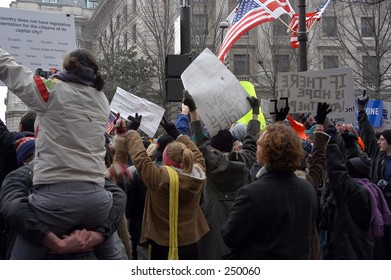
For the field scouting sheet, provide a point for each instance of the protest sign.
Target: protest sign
(386, 117)
(305, 89)
(129, 104)
(37, 39)
(219, 96)
(374, 110)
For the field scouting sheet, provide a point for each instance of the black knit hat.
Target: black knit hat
(222, 141)
(359, 167)
(387, 135)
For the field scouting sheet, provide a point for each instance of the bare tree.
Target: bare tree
(120, 64)
(364, 32)
(206, 18)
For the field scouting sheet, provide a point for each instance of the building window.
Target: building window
(329, 26)
(241, 64)
(134, 34)
(279, 29)
(369, 69)
(118, 22)
(92, 4)
(50, 1)
(134, 6)
(281, 63)
(330, 61)
(126, 41)
(126, 12)
(200, 24)
(367, 24)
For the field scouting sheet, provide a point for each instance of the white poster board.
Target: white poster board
(305, 89)
(219, 96)
(37, 39)
(129, 104)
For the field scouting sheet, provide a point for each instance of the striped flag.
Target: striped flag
(310, 19)
(110, 123)
(247, 15)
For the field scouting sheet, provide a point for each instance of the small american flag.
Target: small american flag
(247, 15)
(110, 123)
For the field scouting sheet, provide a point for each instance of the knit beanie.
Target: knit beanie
(387, 135)
(25, 148)
(238, 131)
(222, 141)
(359, 167)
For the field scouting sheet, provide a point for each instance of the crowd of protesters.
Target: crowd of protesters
(69, 190)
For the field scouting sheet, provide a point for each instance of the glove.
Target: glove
(332, 132)
(254, 103)
(281, 115)
(134, 122)
(362, 101)
(321, 113)
(189, 101)
(349, 139)
(170, 128)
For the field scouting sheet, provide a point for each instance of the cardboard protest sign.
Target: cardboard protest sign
(305, 89)
(37, 39)
(129, 104)
(219, 96)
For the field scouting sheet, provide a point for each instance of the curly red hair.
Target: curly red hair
(279, 147)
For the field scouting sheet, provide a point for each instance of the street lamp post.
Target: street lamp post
(223, 25)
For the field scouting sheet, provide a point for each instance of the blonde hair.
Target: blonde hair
(178, 152)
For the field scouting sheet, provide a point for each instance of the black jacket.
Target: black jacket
(272, 218)
(349, 213)
(16, 212)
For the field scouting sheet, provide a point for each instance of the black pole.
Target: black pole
(302, 37)
(185, 22)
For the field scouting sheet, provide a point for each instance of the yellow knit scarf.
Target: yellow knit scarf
(173, 213)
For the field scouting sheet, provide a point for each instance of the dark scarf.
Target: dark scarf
(380, 214)
(87, 77)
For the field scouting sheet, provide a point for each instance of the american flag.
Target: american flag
(110, 123)
(310, 19)
(247, 15)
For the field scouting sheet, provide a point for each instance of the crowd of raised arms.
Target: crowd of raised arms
(70, 190)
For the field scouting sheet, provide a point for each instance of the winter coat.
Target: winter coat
(225, 173)
(191, 221)
(15, 209)
(272, 218)
(72, 120)
(349, 215)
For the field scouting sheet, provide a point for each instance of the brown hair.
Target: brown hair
(178, 152)
(79, 60)
(280, 148)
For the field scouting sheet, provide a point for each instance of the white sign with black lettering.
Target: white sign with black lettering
(305, 89)
(37, 39)
(129, 104)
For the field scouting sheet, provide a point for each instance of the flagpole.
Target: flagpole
(302, 36)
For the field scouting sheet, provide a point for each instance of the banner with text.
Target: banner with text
(374, 110)
(334, 86)
(37, 39)
(219, 96)
(386, 117)
(129, 104)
